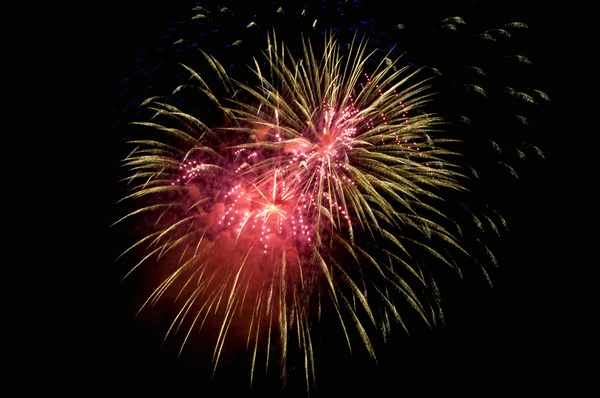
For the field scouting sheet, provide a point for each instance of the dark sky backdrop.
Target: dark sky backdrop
(506, 338)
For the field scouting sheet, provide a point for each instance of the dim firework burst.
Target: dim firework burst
(319, 196)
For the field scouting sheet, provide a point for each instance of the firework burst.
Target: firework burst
(315, 198)
(323, 189)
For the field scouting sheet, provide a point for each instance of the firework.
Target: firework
(323, 190)
(309, 199)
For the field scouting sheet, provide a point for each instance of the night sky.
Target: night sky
(505, 339)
